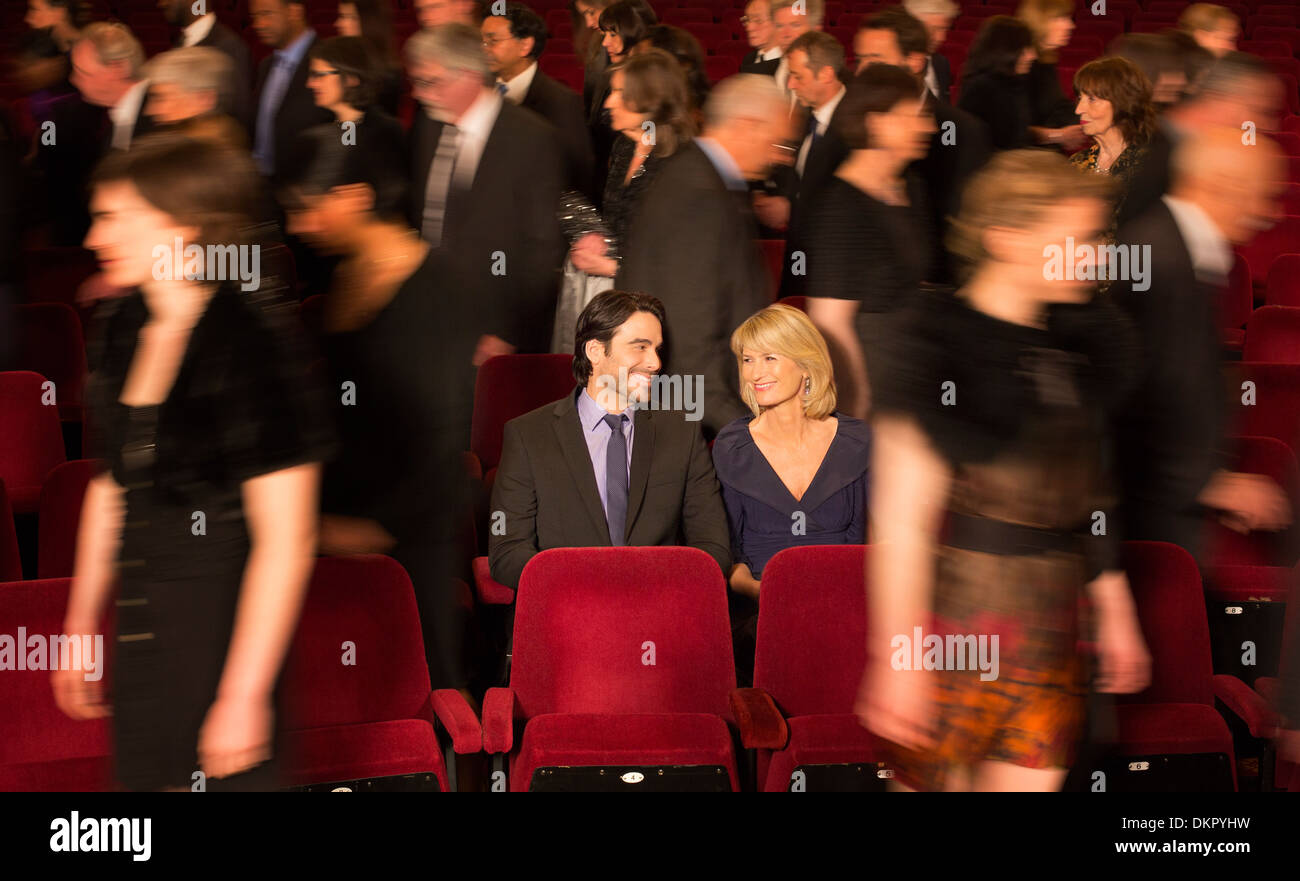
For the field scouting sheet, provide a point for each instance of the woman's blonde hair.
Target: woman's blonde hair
(1014, 190)
(1206, 17)
(784, 330)
(1039, 15)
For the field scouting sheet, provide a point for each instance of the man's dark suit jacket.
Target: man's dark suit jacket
(227, 41)
(561, 107)
(509, 210)
(298, 111)
(1151, 179)
(692, 245)
(547, 489)
(942, 75)
(751, 64)
(946, 167)
(1169, 432)
(824, 157)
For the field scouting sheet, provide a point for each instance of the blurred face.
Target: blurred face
(788, 26)
(1080, 221)
(758, 24)
(444, 93)
(904, 131)
(41, 15)
(1096, 115)
(753, 143)
(876, 47)
(631, 362)
(621, 117)
(169, 104)
(325, 221)
(125, 229)
(590, 13)
(613, 44)
(773, 379)
(275, 21)
(1168, 88)
(1221, 41)
(325, 83)
(100, 84)
(1059, 30)
(507, 55)
(348, 24)
(936, 25)
(432, 13)
(812, 89)
(33, 74)
(1249, 201)
(1025, 61)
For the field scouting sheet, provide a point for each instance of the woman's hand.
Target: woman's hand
(1124, 665)
(236, 736)
(743, 581)
(897, 705)
(353, 535)
(75, 695)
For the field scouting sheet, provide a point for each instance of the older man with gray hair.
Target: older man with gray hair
(692, 241)
(106, 69)
(188, 83)
(486, 179)
(937, 16)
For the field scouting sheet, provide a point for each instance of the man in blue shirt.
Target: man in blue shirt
(285, 106)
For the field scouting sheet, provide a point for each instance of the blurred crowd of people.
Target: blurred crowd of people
(934, 372)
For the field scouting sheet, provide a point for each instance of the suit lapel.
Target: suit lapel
(568, 432)
(643, 451)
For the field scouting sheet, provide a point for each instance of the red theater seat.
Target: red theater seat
(376, 717)
(60, 515)
(1172, 725)
(31, 444)
(812, 636)
(508, 386)
(43, 749)
(622, 664)
(1283, 285)
(1264, 400)
(1273, 334)
(11, 563)
(50, 343)
(1236, 301)
(1270, 244)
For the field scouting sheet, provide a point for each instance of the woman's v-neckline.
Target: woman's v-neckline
(821, 466)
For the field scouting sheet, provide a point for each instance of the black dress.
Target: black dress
(240, 407)
(396, 388)
(860, 248)
(1021, 416)
(1003, 102)
(1048, 106)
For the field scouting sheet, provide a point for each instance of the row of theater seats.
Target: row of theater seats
(622, 678)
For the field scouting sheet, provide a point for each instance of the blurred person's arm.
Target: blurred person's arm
(280, 508)
(741, 578)
(836, 321)
(1123, 661)
(1247, 502)
(99, 535)
(514, 498)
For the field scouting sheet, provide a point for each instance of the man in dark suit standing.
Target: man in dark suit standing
(205, 30)
(513, 43)
(283, 106)
(106, 69)
(761, 34)
(598, 468)
(486, 182)
(936, 16)
(1170, 433)
(816, 61)
(692, 240)
(960, 145)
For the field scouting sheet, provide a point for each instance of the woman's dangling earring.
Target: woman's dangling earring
(807, 385)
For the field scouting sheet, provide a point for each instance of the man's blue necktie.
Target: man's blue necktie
(616, 479)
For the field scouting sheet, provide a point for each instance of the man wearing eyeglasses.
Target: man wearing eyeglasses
(761, 34)
(513, 42)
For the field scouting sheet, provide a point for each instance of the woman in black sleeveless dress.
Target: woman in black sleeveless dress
(211, 440)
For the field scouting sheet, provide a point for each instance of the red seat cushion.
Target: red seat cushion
(1171, 729)
(599, 740)
(352, 752)
(833, 739)
(89, 774)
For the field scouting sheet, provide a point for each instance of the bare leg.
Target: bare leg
(1006, 777)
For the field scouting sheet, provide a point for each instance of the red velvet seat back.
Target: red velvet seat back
(812, 628)
(622, 630)
(508, 386)
(60, 514)
(11, 564)
(1273, 459)
(1166, 587)
(1276, 409)
(50, 343)
(1283, 283)
(365, 605)
(31, 441)
(1273, 334)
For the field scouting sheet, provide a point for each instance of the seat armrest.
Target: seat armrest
(761, 724)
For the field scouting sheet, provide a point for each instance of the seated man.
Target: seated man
(568, 479)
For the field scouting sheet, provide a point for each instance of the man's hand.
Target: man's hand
(490, 346)
(772, 211)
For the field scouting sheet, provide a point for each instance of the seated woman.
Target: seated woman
(995, 82)
(1116, 111)
(795, 473)
(397, 354)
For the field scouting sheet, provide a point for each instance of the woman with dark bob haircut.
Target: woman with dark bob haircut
(1115, 110)
(343, 79)
(204, 510)
(622, 25)
(995, 83)
(869, 239)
